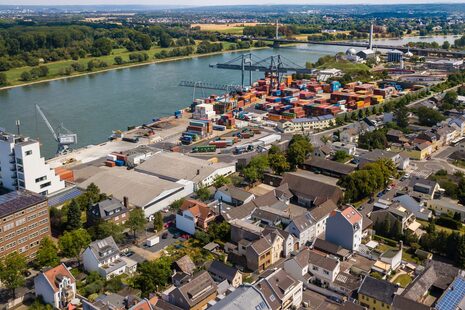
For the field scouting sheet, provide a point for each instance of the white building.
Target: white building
(22, 167)
(306, 124)
(56, 286)
(324, 268)
(103, 256)
(349, 148)
(303, 228)
(281, 290)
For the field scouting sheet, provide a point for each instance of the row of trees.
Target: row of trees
(298, 150)
(365, 182)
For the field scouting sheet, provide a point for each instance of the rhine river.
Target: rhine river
(94, 105)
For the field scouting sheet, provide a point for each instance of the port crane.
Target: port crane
(63, 136)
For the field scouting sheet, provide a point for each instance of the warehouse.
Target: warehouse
(328, 167)
(177, 167)
(142, 190)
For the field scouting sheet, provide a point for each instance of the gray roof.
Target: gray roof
(318, 192)
(107, 208)
(380, 290)
(235, 192)
(323, 210)
(402, 303)
(377, 154)
(322, 261)
(222, 270)
(104, 248)
(279, 282)
(303, 222)
(197, 289)
(244, 297)
(177, 166)
(330, 165)
(185, 264)
(13, 202)
(112, 301)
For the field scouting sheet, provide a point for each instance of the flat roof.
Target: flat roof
(13, 202)
(177, 166)
(140, 188)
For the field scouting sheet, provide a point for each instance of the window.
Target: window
(28, 153)
(19, 161)
(20, 221)
(21, 231)
(45, 184)
(8, 226)
(41, 179)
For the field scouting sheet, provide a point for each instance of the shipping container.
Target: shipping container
(110, 163)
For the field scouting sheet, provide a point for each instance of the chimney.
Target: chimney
(371, 37)
(401, 245)
(126, 201)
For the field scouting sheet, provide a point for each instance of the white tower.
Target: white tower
(370, 47)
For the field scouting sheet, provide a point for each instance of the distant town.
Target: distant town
(330, 184)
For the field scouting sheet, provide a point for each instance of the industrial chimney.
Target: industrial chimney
(126, 201)
(370, 47)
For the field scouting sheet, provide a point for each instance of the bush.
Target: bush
(446, 221)
(385, 240)
(26, 76)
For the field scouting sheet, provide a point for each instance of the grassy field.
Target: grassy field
(441, 228)
(234, 28)
(345, 66)
(55, 68)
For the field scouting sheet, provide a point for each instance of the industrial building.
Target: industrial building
(142, 190)
(395, 56)
(177, 167)
(22, 167)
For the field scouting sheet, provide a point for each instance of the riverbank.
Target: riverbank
(129, 65)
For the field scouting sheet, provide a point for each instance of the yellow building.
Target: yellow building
(376, 294)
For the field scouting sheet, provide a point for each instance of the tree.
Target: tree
(12, 269)
(158, 221)
(278, 162)
(203, 193)
(340, 156)
(256, 168)
(202, 236)
(73, 216)
(118, 60)
(298, 150)
(446, 45)
(26, 76)
(47, 255)
(373, 140)
(450, 99)
(429, 117)
(136, 222)
(175, 205)
(72, 243)
(165, 40)
(401, 115)
(219, 231)
(153, 275)
(3, 79)
(101, 47)
(106, 229)
(220, 181)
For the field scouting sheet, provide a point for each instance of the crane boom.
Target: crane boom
(47, 122)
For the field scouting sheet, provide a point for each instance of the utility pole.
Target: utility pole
(277, 29)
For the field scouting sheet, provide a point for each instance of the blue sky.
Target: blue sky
(208, 2)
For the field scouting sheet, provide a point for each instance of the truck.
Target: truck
(152, 241)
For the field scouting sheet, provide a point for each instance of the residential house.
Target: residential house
(435, 280)
(421, 188)
(332, 249)
(349, 148)
(392, 257)
(194, 294)
(328, 167)
(103, 256)
(303, 228)
(56, 286)
(324, 268)
(264, 252)
(219, 271)
(447, 134)
(185, 265)
(108, 210)
(309, 192)
(281, 290)
(192, 215)
(344, 228)
(244, 297)
(297, 266)
(397, 216)
(320, 214)
(290, 243)
(446, 205)
(431, 137)
(396, 136)
(419, 211)
(459, 122)
(377, 294)
(233, 195)
(323, 151)
(369, 157)
(349, 135)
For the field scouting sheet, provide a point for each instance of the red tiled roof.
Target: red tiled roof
(352, 215)
(59, 270)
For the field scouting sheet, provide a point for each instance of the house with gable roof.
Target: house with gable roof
(56, 286)
(344, 228)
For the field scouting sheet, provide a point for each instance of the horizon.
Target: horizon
(213, 3)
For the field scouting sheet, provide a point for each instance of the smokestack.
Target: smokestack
(126, 201)
(371, 37)
(277, 29)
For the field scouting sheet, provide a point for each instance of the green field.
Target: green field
(403, 280)
(13, 75)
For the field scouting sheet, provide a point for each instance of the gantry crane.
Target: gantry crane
(62, 136)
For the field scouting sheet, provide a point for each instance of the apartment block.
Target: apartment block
(24, 222)
(22, 167)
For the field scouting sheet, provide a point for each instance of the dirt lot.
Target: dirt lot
(235, 28)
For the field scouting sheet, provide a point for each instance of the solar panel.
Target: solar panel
(64, 197)
(452, 297)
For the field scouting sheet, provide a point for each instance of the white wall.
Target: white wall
(89, 261)
(42, 288)
(169, 199)
(185, 222)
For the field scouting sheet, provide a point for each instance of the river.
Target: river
(94, 105)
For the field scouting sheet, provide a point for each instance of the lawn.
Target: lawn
(403, 280)
(441, 228)
(405, 255)
(234, 28)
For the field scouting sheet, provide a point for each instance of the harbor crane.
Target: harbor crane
(64, 137)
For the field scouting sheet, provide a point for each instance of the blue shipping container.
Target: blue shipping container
(119, 163)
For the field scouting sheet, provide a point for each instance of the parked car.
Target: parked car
(165, 235)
